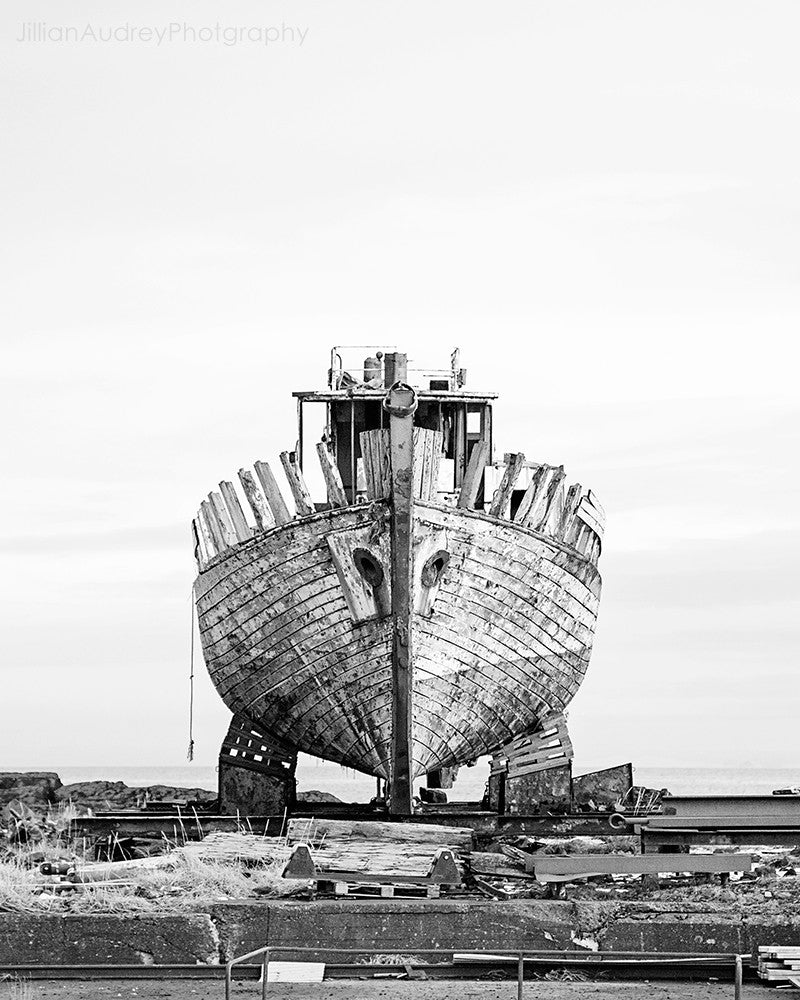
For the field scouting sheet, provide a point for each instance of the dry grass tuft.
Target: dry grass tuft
(18, 888)
(190, 883)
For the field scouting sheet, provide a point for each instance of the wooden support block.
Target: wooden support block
(272, 493)
(220, 511)
(502, 498)
(261, 512)
(302, 498)
(240, 525)
(473, 477)
(333, 480)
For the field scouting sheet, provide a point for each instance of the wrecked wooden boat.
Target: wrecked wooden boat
(436, 607)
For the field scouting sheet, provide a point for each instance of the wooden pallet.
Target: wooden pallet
(379, 890)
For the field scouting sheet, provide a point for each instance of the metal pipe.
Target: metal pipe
(520, 974)
(737, 978)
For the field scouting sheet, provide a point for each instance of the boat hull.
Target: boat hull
(296, 641)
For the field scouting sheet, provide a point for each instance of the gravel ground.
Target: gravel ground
(355, 990)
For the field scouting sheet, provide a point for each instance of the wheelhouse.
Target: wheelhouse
(353, 403)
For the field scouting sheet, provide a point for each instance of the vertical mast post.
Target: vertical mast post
(400, 403)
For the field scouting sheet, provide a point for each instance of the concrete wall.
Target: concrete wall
(413, 925)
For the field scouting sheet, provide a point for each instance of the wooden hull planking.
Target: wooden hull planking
(294, 640)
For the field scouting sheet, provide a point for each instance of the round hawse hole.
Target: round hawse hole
(434, 567)
(368, 566)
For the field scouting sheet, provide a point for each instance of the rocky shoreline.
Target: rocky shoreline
(41, 791)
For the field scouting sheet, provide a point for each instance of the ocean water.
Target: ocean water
(351, 786)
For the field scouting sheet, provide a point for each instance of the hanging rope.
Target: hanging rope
(190, 753)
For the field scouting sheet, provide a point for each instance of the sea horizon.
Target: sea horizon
(352, 786)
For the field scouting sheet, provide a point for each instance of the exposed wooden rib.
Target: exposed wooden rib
(259, 506)
(551, 502)
(200, 553)
(272, 493)
(220, 512)
(474, 474)
(240, 525)
(567, 514)
(205, 530)
(333, 480)
(302, 498)
(529, 508)
(502, 497)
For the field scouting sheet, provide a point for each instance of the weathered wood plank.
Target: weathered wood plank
(264, 517)
(297, 484)
(473, 477)
(377, 464)
(272, 493)
(220, 511)
(240, 525)
(502, 498)
(334, 831)
(427, 458)
(333, 480)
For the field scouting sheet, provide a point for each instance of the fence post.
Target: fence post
(737, 978)
(520, 974)
(264, 973)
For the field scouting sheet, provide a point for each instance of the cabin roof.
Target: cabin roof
(362, 392)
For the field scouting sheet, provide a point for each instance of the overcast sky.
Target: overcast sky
(598, 202)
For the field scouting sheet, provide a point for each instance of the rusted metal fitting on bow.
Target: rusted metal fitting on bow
(400, 400)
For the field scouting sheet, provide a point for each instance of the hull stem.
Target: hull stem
(400, 404)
